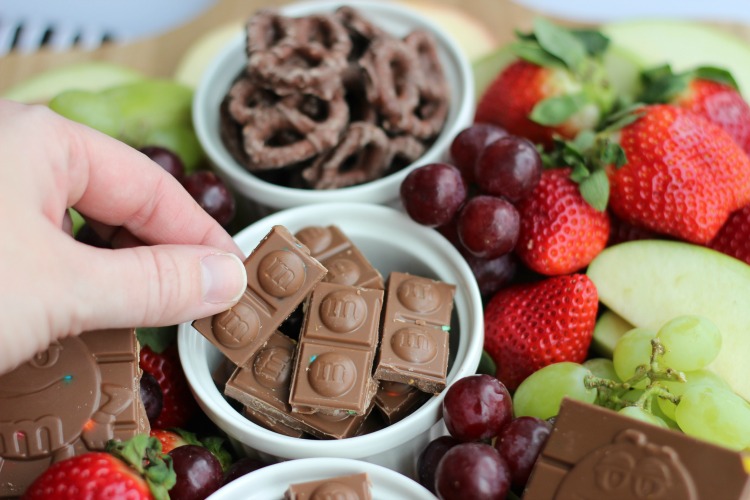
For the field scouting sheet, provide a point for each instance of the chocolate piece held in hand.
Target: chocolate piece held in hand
(333, 371)
(280, 274)
(416, 325)
(353, 487)
(69, 399)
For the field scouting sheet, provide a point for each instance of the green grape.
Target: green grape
(149, 105)
(542, 392)
(639, 413)
(181, 140)
(88, 108)
(690, 343)
(657, 412)
(715, 414)
(692, 379)
(602, 368)
(632, 350)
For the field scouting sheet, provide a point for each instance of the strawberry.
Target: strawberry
(621, 232)
(560, 232)
(683, 175)
(557, 86)
(179, 406)
(135, 469)
(734, 236)
(711, 93)
(529, 326)
(169, 439)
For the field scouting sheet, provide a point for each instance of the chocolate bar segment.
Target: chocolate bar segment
(333, 371)
(352, 487)
(345, 262)
(416, 325)
(69, 399)
(262, 385)
(594, 452)
(280, 274)
(395, 400)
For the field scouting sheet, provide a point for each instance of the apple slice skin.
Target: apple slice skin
(649, 282)
(684, 45)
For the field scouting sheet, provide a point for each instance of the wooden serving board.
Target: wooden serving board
(158, 56)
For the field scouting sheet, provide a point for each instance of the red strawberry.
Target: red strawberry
(118, 473)
(709, 92)
(734, 236)
(527, 327)
(169, 439)
(552, 89)
(683, 175)
(621, 232)
(179, 405)
(560, 232)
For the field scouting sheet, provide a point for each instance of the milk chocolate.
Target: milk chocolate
(395, 400)
(416, 324)
(333, 370)
(268, 422)
(262, 385)
(352, 487)
(345, 262)
(69, 399)
(594, 452)
(280, 274)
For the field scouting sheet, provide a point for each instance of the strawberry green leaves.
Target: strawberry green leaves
(662, 85)
(555, 110)
(144, 454)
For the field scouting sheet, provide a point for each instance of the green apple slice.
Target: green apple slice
(650, 282)
(91, 76)
(608, 330)
(684, 45)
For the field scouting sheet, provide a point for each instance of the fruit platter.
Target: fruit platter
(490, 254)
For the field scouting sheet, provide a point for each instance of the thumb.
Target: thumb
(156, 285)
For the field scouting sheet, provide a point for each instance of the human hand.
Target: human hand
(172, 261)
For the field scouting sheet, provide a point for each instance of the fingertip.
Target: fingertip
(224, 278)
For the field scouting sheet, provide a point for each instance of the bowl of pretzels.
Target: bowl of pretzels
(325, 101)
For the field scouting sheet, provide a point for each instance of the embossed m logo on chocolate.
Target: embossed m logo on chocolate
(414, 345)
(237, 327)
(343, 311)
(418, 295)
(272, 366)
(332, 374)
(281, 273)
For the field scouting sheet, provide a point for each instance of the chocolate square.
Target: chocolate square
(352, 486)
(280, 274)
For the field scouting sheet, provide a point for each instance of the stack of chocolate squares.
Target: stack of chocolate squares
(352, 354)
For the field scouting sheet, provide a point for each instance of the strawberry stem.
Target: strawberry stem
(144, 454)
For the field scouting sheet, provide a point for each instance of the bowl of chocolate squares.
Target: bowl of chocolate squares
(354, 321)
(326, 101)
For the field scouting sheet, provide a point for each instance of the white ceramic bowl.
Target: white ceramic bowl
(270, 483)
(392, 17)
(392, 242)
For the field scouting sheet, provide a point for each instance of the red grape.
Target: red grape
(430, 458)
(152, 397)
(476, 407)
(492, 274)
(168, 160)
(520, 443)
(509, 167)
(488, 226)
(198, 472)
(470, 142)
(432, 193)
(211, 194)
(472, 470)
(241, 467)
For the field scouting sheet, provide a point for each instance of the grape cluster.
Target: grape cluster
(471, 201)
(660, 377)
(488, 452)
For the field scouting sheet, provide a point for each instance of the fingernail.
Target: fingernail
(224, 278)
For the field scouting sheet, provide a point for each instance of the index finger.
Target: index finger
(119, 186)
